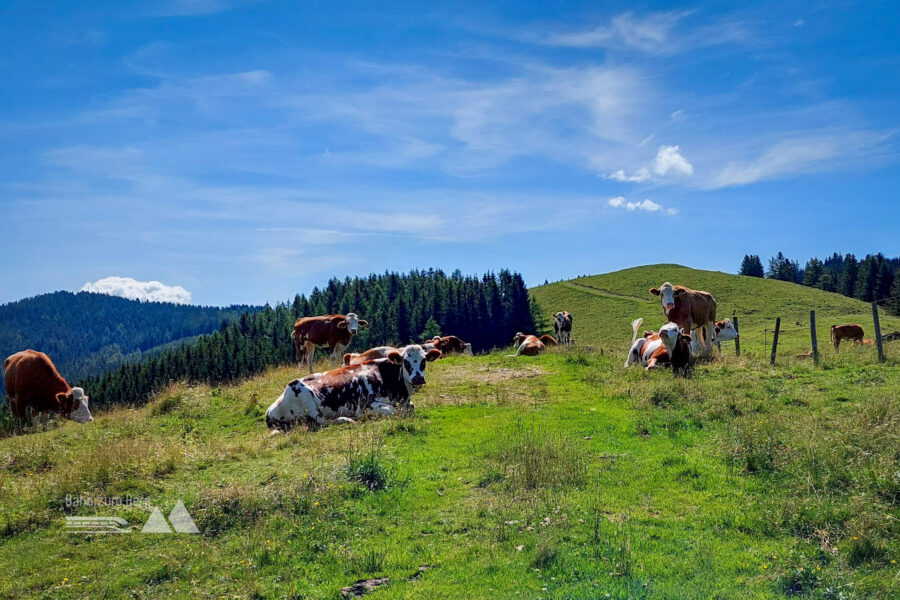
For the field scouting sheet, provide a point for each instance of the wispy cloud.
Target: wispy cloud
(126, 287)
(645, 205)
(669, 161)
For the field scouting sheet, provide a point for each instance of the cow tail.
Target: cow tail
(635, 326)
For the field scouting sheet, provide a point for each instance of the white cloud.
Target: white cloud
(645, 205)
(799, 23)
(126, 287)
(670, 160)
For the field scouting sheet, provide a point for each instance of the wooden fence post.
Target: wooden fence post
(812, 334)
(775, 340)
(737, 340)
(878, 341)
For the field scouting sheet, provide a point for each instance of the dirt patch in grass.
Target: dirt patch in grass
(489, 373)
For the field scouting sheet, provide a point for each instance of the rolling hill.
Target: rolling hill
(89, 334)
(603, 307)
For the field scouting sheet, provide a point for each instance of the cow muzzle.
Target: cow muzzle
(418, 381)
(669, 306)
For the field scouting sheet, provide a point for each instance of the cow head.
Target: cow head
(667, 294)
(352, 323)
(468, 349)
(671, 334)
(560, 319)
(725, 330)
(412, 361)
(74, 404)
(519, 338)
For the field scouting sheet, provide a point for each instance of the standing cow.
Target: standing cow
(34, 386)
(690, 309)
(333, 332)
(853, 333)
(562, 324)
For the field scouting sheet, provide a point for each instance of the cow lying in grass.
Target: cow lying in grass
(669, 347)
(527, 345)
(377, 387)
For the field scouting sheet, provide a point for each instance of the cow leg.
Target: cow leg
(338, 352)
(381, 408)
(310, 355)
(344, 420)
(710, 331)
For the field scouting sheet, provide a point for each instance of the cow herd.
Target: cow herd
(382, 380)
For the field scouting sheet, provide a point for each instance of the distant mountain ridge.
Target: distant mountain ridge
(89, 334)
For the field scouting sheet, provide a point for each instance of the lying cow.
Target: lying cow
(725, 331)
(376, 387)
(891, 337)
(358, 358)
(562, 325)
(548, 340)
(333, 332)
(34, 386)
(669, 347)
(690, 310)
(528, 345)
(845, 332)
(449, 344)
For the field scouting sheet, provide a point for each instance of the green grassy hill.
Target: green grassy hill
(603, 307)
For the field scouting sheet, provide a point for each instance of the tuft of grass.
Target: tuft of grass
(533, 457)
(369, 468)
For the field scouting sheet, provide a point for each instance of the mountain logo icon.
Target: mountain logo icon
(179, 518)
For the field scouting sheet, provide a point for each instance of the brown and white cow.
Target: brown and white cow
(846, 332)
(548, 340)
(725, 332)
(528, 345)
(669, 347)
(358, 358)
(377, 387)
(333, 332)
(449, 344)
(34, 386)
(690, 309)
(562, 325)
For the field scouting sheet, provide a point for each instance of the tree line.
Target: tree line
(486, 311)
(875, 278)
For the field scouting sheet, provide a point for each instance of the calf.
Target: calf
(528, 345)
(333, 332)
(845, 332)
(562, 325)
(690, 310)
(377, 387)
(450, 343)
(669, 347)
(724, 331)
(34, 386)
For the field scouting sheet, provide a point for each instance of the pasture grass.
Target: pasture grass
(561, 476)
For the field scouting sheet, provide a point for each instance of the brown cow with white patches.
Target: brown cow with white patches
(377, 387)
(690, 310)
(449, 344)
(34, 386)
(333, 332)
(669, 347)
(528, 345)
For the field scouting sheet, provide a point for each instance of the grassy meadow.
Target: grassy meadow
(560, 476)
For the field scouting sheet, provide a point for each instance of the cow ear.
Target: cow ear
(66, 400)
(347, 359)
(363, 323)
(395, 357)
(686, 338)
(654, 291)
(433, 355)
(679, 291)
(342, 324)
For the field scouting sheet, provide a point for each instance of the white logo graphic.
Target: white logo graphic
(97, 525)
(179, 518)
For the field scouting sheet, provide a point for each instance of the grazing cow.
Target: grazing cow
(377, 387)
(562, 325)
(548, 340)
(690, 310)
(450, 343)
(333, 332)
(34, 386)
(725, 331)
(669, 347)
(528, 345)
(845, 332)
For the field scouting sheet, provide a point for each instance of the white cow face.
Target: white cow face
(726, 331)
(468, 350)
(560, 319)
(78, 401)
(669, 333)
(352, 323)
(412, 361)
(667, 293)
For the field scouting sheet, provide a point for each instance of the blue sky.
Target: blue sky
(249, 150)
